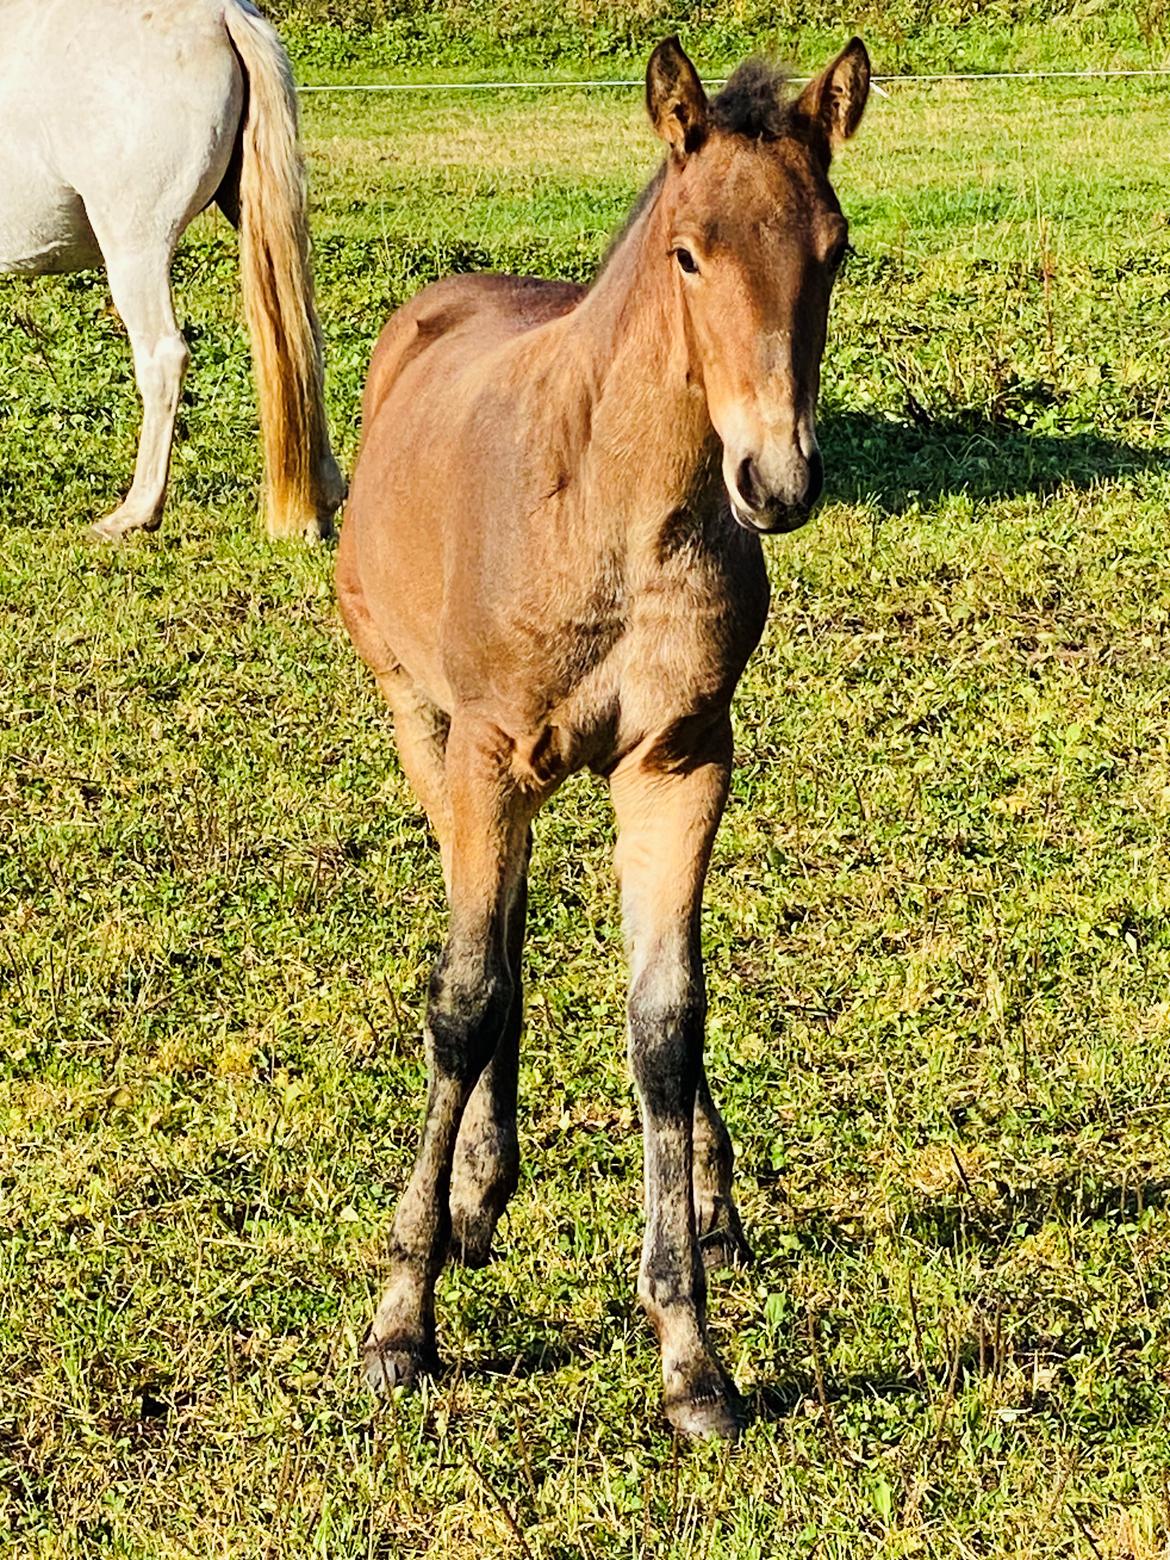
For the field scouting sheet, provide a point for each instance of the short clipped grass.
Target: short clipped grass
(937, 923)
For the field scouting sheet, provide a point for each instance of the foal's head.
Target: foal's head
(757, 237)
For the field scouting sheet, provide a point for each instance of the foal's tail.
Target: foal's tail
(304, 485)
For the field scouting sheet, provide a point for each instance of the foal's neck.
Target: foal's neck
(651, 440)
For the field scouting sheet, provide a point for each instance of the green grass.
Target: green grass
(937, 928)
(357, 39)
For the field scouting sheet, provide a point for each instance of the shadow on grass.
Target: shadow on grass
(542, 1355)
(775, 1400)
(992, 1217)
(991, 1214)
(893, 463)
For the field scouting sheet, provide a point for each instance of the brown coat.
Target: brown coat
(551, 560)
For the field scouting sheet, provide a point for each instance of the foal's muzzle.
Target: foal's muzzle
(782, 504)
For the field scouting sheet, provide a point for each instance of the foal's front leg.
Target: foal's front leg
(469, 1003)
(667, 818)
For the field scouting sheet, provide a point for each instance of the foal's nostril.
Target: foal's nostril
(816, 478)
(748, 483)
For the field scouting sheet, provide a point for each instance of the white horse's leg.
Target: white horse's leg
(141, 287)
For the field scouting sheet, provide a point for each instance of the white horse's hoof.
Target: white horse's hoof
(121, 524)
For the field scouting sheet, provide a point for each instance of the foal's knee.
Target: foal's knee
(468, 1006)
(666, 1013)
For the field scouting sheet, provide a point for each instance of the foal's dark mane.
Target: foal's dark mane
(752, 104)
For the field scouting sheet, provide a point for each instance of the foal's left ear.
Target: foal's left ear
(835, 101)
(675, 99)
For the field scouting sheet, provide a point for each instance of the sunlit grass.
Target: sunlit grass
(936, 933)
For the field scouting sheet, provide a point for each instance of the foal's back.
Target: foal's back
(455, 324)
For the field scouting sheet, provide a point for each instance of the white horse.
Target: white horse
(120, 120)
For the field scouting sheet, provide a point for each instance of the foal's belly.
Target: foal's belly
(43, 225)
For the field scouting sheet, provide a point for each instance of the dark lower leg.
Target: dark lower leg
(665, 1044)
(487, 1153)
(483, 826)
(721, 1238)
(400, 1344)
(467, 1011)
(671, 1285)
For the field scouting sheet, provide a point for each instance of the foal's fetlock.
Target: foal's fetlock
(472, 1227)
(698, 1396)
(476, 1209)
(399, 1347)
(125, 522)
(471, 1237)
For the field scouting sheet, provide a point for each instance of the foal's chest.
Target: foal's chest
(669, 644)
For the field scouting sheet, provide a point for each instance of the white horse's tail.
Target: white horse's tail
(304, 485)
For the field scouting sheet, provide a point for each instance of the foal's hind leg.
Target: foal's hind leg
(487, 1152)
(722, 1241)
(420, 734)
(469, 1002)
(140, 284)
(667, 818)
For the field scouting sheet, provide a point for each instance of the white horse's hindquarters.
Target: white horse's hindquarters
(118, 120)
(43, 226)
(116, 127)
(113, 130)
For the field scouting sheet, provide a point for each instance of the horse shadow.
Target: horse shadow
(986, 1217)
(893, 462)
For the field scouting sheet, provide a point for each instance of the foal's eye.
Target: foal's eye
(686, 261)
(839, 254)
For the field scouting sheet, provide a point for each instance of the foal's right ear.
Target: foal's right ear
(675, 99)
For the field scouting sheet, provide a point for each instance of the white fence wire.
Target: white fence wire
(1101, 74)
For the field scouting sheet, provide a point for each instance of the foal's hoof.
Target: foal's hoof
(723, 1242)
(116, 527)
(396, 1362)
(710, 1411)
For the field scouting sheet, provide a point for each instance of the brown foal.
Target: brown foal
(551, 561)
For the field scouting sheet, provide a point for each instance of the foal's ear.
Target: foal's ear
(835, 101)
(675, 99)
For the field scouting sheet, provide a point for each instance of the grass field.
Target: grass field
(440, 38)
(937, 929)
